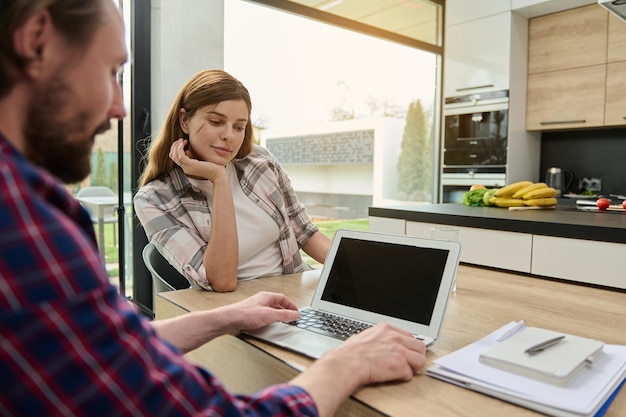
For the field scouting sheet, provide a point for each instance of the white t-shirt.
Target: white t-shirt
(257, 232)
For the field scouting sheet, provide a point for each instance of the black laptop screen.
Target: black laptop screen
(396, 280)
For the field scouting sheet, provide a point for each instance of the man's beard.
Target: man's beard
(62, 147)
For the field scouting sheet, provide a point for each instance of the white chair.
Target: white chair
(109, 213)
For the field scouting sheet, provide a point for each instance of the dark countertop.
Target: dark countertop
(563, 221)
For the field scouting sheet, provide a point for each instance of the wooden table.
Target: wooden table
(485, 300)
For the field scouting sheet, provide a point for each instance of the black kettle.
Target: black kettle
(560, 179)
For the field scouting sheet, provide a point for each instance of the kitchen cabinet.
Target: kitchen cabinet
(534, 8)
(573, 70)
(615, 106)
(578, 260)
(387, 225)
(572, 98)
(616, 50)
(569, 39)
(477, 55)
(492, 248)
(615, 110)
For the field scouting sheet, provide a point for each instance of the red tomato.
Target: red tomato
(624, 204)
(603, 203)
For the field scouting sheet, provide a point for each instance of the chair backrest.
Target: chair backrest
(95, 191)
(164, 276)
(99, 191)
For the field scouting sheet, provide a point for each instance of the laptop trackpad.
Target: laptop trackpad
(307, 343)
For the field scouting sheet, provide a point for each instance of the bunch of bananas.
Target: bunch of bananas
(524, 193)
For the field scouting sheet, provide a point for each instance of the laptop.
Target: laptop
(370, 278)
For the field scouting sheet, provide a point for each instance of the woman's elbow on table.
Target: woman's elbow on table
(223, 286)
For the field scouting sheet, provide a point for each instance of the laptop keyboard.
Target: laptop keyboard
(328, 324)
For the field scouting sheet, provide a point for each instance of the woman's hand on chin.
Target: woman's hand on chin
(193, 167)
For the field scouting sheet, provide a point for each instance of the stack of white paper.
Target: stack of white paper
(586, 395)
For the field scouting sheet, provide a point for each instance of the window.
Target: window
(352, 117)
(314, 86)
(110, 157)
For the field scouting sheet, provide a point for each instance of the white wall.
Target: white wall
(388, 134)
(187, 36)
(332, 179)
(379, 179)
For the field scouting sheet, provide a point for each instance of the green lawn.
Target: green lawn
(328, 227)
(331, 226)
(111, 247)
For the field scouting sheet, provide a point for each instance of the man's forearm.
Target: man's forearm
(330, 384)
(192, 330)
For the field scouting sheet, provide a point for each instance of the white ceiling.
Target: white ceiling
(416, 19)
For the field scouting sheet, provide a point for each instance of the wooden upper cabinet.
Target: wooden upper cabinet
(569, 39)
(576, 70)
(615, 107)
(615, 110)
(616, 50)
(566, 99)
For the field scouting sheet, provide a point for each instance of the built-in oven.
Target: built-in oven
(474, 146)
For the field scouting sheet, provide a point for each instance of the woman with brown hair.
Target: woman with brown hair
(218, 207)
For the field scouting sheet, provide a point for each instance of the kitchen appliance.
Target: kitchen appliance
(617, 7)
(559, 179)
(475, 138)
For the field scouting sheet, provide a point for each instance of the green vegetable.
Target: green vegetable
(474, 197)
(488, 196)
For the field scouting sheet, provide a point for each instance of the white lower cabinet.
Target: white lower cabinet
(592, 262)
(387, 225)
(493, 248)
(600, 263)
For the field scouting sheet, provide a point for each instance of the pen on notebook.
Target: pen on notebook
(518, 326)
(540, 347)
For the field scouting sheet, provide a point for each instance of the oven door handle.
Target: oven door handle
(478, 138)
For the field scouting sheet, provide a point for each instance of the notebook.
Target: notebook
(588, 395)
(371, 278)
(558, 364)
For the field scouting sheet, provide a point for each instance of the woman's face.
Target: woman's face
(216, 132)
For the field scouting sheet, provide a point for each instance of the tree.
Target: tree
(415, 161)
(338, 114)
(385, 107)
(100, 176)
(113, 182)
(262, 121)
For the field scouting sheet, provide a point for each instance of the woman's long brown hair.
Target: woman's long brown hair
(206, 88)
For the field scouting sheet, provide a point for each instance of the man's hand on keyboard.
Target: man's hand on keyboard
(378, 354)
(389, 352)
